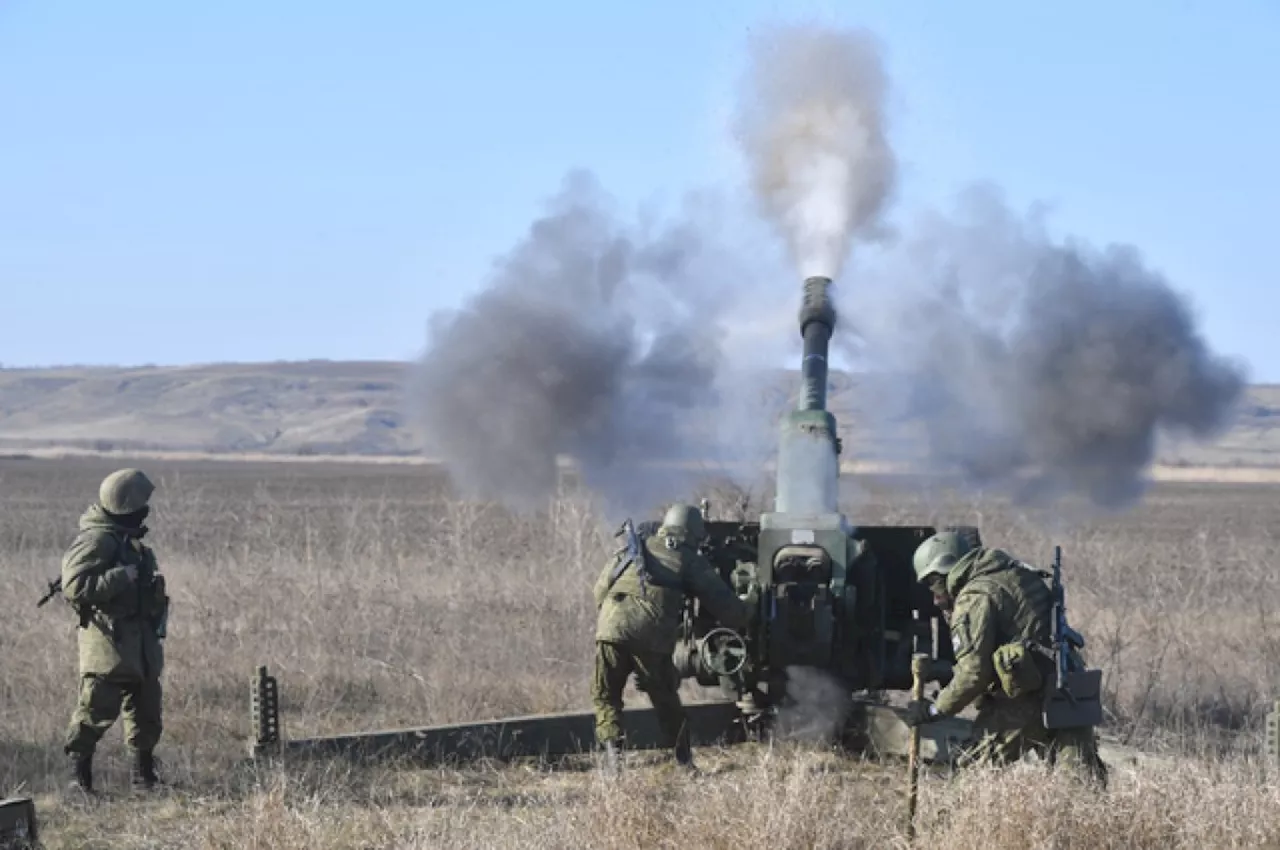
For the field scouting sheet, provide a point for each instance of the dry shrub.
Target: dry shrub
(784, 799)
(1189, 803)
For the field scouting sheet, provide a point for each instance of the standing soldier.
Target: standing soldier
(113, 582)
(639, 603)
(999, 612)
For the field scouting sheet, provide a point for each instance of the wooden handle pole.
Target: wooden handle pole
(919, 669)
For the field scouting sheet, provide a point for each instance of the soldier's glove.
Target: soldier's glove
(921, 711)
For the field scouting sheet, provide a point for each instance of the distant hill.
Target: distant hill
(321, 407)
(359, 408)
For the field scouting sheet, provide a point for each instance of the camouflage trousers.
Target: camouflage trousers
(655, 675)
(1009, 729)
(99, 706)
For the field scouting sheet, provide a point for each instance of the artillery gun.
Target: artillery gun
(834, 597)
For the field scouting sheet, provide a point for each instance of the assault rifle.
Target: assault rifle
(55, 587)
(631, 546)
(630, 553)
(1075, 699)
(146, 580)
(1063, 638)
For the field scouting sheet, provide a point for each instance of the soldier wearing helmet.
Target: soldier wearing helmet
(112, 580)
(639, 604)
(997, 608)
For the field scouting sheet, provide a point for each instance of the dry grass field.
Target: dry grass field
(381, 600)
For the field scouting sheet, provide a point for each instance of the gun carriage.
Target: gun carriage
(834, 596)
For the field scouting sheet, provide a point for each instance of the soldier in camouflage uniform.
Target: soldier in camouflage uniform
(639, 607)
(995, 605)
(112, 580)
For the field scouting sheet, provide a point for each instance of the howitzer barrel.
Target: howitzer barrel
(808, 469)
(817, 322)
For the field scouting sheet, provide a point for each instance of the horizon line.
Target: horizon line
(363, 361)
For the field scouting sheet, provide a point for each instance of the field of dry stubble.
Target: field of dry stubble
(378, 599)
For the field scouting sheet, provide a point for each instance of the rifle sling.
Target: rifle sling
(642, 568)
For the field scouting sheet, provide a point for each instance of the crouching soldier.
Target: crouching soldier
(113, 582)
(639, 602)
(999, 611)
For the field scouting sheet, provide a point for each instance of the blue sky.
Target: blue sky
(188, 182)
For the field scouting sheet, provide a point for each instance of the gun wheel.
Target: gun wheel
(723, 651)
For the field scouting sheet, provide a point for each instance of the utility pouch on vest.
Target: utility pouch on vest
(1016, 670)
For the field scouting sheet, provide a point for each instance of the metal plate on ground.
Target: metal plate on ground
(17, 823)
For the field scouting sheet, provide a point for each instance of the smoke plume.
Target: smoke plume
(1049, 368)
(594, 339)
(815, 709)
(811, 127)
(1045, 367)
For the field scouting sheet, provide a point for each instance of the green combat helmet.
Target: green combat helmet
(685, 521)
(125, 491)
(938, 554)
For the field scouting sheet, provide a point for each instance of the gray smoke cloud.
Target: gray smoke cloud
(598, 339)
(1048, 368)
(816, 707)
(811, 126)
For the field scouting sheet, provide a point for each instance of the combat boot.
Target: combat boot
(81, 768)
(143, 775)
(684, 757)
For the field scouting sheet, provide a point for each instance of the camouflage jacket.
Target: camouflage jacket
(119, 637)
(997, 601)
(644, 615)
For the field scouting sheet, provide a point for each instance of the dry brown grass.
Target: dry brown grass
(380, 600)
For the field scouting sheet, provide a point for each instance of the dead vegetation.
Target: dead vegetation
(379, 600)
